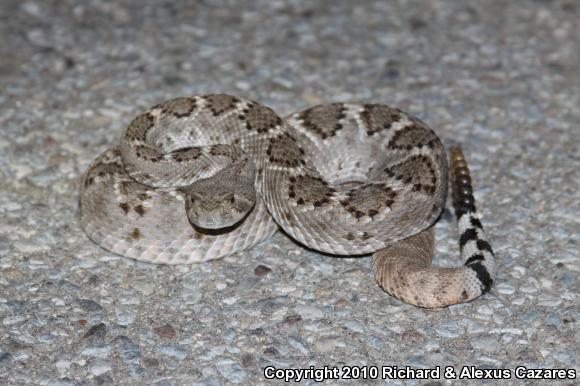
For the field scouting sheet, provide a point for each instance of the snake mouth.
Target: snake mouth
(216, 231)
(215, 226)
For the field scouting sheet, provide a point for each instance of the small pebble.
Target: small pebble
(262, 270)
(124, 316)
(308, 312)
(166, 331)
(231, 371)
(298, 344)
(173, 352)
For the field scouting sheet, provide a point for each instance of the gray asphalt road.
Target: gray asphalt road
(500, 78)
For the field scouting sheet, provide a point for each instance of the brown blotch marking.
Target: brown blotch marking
(261, 118)
(283, 150)
(125, 207)
(220, 150)
(464, 295)
(197, 236)
(379, 117)
(417, 170)
(102, 169)
(321, 202)
(349, 236)
(138, 128)
(324, 120)
(186, 154)
(140, 210)
(366, 236)
(418, 134)
(148, 153)
(178, 107)
(135, 234)
(220, 103)
(310, 190)
(368, 199)
(389, 172)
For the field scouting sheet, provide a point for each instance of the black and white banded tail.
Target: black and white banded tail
(475, 250)
(404, 269)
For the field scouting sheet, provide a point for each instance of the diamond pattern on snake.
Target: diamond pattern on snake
(198, 178)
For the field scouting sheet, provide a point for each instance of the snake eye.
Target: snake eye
(193, 196)
(229, 196)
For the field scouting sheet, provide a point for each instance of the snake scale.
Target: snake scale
(198, 178)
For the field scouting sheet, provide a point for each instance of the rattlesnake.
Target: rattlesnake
(198, 178)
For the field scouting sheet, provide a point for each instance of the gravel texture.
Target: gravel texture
(501, 78)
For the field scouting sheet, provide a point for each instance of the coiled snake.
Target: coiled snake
(198, 178)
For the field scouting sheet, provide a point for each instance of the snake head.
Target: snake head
(216, 209)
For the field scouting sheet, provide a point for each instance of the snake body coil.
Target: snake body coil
(198, 178)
